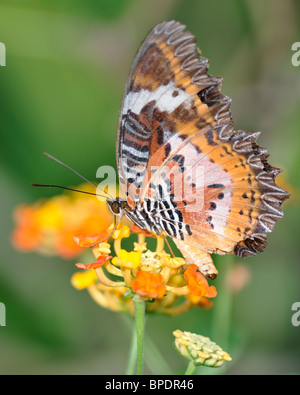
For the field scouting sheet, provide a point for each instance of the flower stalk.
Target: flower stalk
(190, 369)
(132, 355)
(139, 309)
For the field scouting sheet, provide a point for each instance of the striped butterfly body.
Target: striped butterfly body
(183, 169)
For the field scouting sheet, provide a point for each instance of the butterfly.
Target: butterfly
(184, 172)
(174, 120)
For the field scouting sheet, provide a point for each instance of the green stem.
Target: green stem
(190, 369)
(139, 308)
(132, 355)
(153, 357)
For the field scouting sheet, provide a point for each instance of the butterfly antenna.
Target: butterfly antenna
(69, 189)
(75, 172)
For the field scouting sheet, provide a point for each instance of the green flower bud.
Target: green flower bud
(199, 349)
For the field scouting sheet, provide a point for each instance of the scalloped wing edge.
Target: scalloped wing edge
(272, 196)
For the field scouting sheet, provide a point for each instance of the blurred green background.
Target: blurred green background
(66, 66)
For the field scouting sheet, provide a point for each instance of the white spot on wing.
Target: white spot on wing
(135, 101)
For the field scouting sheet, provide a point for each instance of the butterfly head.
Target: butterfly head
(117, 205)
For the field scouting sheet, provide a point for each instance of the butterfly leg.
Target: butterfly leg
(168, 244)
(199, 257)
(116, 223)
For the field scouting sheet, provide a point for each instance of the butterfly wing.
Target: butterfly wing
(168, 87)
(230, 199)
(214, 188)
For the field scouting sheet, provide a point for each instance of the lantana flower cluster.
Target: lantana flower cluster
(48, 226)
(166, 282)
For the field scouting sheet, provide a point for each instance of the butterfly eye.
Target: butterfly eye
(114, 206)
